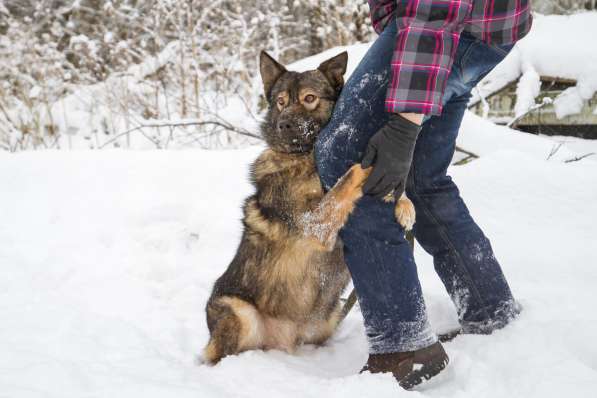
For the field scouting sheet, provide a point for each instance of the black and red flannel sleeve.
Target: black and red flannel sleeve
(428, 34)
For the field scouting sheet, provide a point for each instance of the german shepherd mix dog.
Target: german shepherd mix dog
(283, 286)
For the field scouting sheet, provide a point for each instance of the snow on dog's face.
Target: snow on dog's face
(300, 104)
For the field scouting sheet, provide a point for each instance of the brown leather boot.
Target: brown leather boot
(412, 367)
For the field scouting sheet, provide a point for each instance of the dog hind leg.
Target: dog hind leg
(319, 331)
(236, 326)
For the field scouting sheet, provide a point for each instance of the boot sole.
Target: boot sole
(416, 377)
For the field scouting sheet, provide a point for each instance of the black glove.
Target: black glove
(390, 150)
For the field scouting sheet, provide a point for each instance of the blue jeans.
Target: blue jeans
(378, 256)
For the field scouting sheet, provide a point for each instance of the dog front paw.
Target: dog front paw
(405, 212)
(357, 176)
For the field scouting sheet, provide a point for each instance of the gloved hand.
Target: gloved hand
(390, 151)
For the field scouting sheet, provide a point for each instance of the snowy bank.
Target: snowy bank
(107, 259)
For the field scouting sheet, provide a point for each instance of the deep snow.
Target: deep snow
(107, 259)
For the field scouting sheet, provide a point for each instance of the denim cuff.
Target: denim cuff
(505, 313)
(389, 337)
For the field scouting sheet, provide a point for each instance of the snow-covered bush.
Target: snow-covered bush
(93, 73)
(34, 74)
(563, 6)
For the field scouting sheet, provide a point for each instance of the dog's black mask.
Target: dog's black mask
(300, 104)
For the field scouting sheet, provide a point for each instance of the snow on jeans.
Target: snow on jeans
(378, 256)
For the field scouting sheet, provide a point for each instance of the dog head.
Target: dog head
(300, 104)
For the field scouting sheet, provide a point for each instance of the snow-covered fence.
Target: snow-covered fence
(548, 82)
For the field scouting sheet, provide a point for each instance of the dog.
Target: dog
(283, 287)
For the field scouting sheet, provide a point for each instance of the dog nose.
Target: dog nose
(283, 125)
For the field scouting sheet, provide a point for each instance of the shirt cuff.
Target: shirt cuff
(406, 106)
(418, 88)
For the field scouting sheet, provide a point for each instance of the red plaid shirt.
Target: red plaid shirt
(428, 33)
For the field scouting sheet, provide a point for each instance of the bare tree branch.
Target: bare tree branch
(186, 123)
(546, 101)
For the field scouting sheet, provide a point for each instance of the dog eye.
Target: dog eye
(281, 101)
(309, 98)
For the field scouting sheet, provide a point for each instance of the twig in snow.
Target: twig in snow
(554, 150)
(576, 159)
(469, 156)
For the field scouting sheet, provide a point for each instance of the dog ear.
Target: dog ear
(270, 72)
(334, 69)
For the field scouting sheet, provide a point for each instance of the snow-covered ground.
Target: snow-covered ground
(107, 259)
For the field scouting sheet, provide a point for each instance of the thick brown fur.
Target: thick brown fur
(284, 284)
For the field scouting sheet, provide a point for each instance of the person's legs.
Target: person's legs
(462, 255)
(378, 257)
